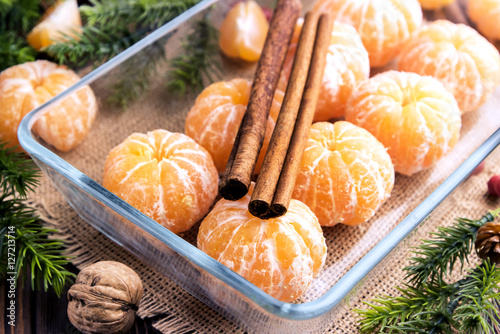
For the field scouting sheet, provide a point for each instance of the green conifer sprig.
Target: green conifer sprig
(17, 173)
(428, 304)
(138, 74)
(196, 63)
(149, 13)
(438, 255)
(114, 26)
(19, 15)
(33, 249)
(14, 50)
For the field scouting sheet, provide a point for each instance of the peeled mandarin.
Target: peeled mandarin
(167, 176)
(435, 4)
(384, 25)
(486, 15)
(279, 255)
(464, 61)
(214, 120)
(25, 87)
(63, 18)
(347, 64)
(244, 31)
(415, 117)
(345, 174)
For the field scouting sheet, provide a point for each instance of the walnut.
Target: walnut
(104, 298)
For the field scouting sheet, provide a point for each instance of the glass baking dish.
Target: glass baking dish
(77, 175)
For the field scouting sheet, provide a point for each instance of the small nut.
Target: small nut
(104, 298)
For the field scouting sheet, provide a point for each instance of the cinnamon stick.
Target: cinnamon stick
(270, 171)
(305, 117)
(239, 169)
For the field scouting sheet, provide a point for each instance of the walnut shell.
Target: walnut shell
(104, 298)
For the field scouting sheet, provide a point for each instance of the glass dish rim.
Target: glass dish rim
(289, 311)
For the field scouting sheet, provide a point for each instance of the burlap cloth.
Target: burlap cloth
(175, 310)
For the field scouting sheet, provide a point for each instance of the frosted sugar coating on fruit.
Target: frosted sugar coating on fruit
(244, 31)
(165, 175)
(347, 64)
(486, 15)
(383, 24)
(27, 86)
(279, 255)
(345, 174)
(464, 61)
(214, 119)
(435, 4)
(415, 117)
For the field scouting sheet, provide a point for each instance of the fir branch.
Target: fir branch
(19, 15)
(386, 314)
(150, 13)
(34, 250)
(468, 305)
(93, 44)
(438, 255)
(18, 175)
(137, 75)
(478, 312)
(14, 50)
(196, 64)
(115, 25)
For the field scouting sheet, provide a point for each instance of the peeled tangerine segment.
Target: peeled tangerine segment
(486, 15)
(464, 61)
(167, 176)
(244, 31)
(345, 174)
(279, 255)
(436, 4)
(25, 87)
(214, 120)
(415, 117)
(63, 18)
(384, 25)
(347, 64)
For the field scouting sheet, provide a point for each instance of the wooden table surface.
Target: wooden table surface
(41, 312)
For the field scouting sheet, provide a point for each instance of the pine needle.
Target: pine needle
(14, 50)
(34, 250)
(196, 63)
(439, 255)
(427, 303)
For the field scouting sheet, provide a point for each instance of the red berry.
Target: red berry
(494, 186)
(478, 169)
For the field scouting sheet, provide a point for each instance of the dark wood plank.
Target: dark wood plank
(41, 312)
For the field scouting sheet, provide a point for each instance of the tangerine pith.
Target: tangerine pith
(25, 87)
(215, 117)
(414, 116)
(347, 64)
(464, 61)
(279, 255)
(167, 176)
(345, 174)
(384, 25)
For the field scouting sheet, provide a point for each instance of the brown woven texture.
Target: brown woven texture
(179, 312)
